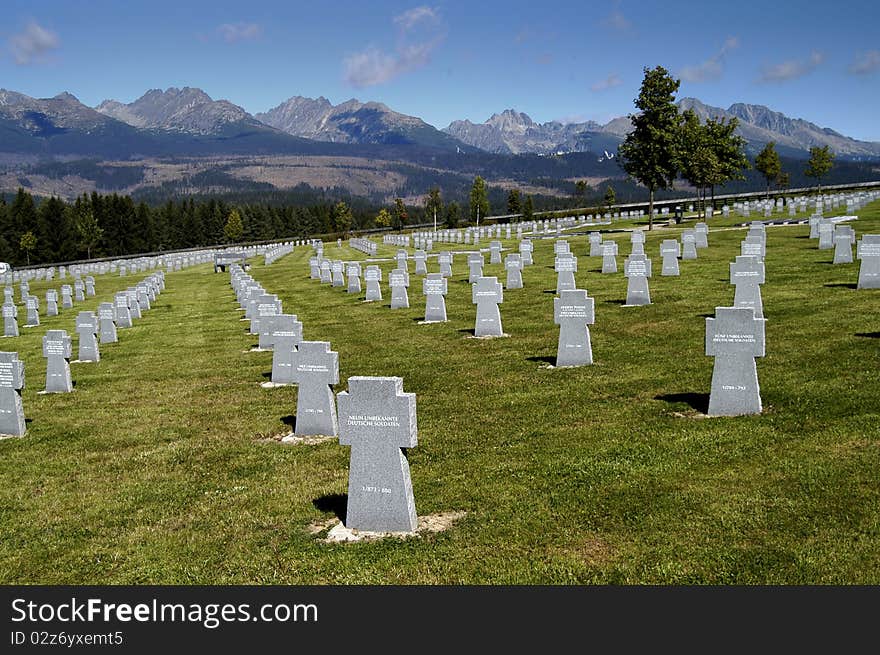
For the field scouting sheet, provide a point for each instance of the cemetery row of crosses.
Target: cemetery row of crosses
(375, 416)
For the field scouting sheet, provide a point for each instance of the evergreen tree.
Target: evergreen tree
(89, 230)
(650, 151)
(821, 160)
(513, 202)
(383, 218)
(342, 218)
(234, 228)
(528, 212)
(610, 197)
(453, 215)
(729, 149)
(28, 243)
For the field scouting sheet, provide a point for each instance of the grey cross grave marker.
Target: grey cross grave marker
(398, 280)
(868, 252)
(57, 349)
(747, 273)
(10, 319)
(734, 338)
(87, 329)
(377, 419)
(315, 369)
(287, 336)
(107, 322)
(487, 294)
(565, 265)
(637, 270)
(609, 257)
(123, 312)
(434, 288)
(373, 276)
(670, 251)
(573, 312)
(513, 265)
(12, 420)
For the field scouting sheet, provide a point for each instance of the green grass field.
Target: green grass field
(160, 468)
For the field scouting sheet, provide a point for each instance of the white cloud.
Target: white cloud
(235, 32)
(419, 33)
(866, 63)
(712, 68)
(792, 69)
(616, 20)
(33, 44)
(608, 83)
(412, 17)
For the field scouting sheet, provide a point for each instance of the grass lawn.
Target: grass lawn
(160, 467)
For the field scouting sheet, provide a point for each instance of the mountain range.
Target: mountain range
(188, 121)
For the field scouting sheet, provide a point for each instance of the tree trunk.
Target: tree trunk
(713, 198)
(651, 208)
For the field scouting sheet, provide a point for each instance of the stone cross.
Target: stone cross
(286, 336)
(747, 273)
(573, 312)
(266, 306)
(377, 419)
(826, 234)
(123, 311)
(373, 276)
(525, 250)
(513, 265)
(609, 256)
(402, 257)
(595, 244)
(32, 303)
(398, 280)
(487, 294)
(445, 259)
(12, 420)
(66, 296)
(90, 286)
(57, 349)
(701, 230)
(10, 319)
(51, 302)
(637, 240)
(421, 258)
(326, 272)
(87, 329)
(734, 338)
(868, 252)
(434, 287)
(353, 271)
(753, 246)
(670, 251)
(475, 266)
(143, 297)
(844, 238)
(637, 270)
(314, 369)
(107, 322)
(337, 277)
(565, 265)
(79, 289)
(314, 268)
(494, 252)
(688, 244)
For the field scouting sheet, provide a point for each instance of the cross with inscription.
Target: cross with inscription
(123, 313)
(87, 329)
(487, 293)
(286, 336)
(747, 273)
(573, 312)
(670, 251)
(11, 383)
(398, 280)
(10, 319)
(421, 258)
(609, 257)
(315, 368)
(51, 302)
(378, 419)
(107, 322)
(513, 265)
(434, 287)
(57, 349)
(565, 265)
(373, 276)
(868, 252)
(637, 270)
(734, 338)
(475, 266)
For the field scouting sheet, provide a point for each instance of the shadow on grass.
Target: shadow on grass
(706, 315)
(470, 331)
(869, 335)
(544, 359)
(289, 421)
(549, 290)
(336, 503)
(842, 285)
(615, 302)
(697, 401)
(267, 375)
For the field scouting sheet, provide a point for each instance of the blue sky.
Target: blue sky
(447, 60)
